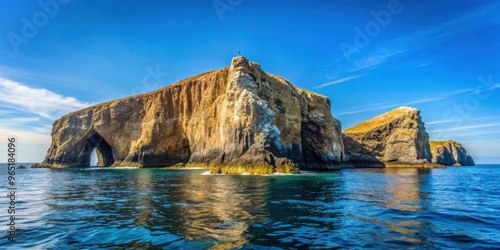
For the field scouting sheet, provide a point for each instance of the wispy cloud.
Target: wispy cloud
(374, 60)
(496, 86)
(17, 120)
(483, 118)
(427, 64)
(469, 21)
(44, 129)
(439, 122)
(470, 133)
(37, 101)
(57, 78)
(372, 107)
(486, 147)
(341, 80)
(425, 37)
(461, 128)
(366, 109)
(25, 136)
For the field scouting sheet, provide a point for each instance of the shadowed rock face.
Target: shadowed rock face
(450, 153)
(237, 119)
(396, 136)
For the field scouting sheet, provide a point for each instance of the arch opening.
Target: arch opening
(103, 151)
(93, 158)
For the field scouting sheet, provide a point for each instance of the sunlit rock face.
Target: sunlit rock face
(396, 136)
(234, 120)
(450, 153)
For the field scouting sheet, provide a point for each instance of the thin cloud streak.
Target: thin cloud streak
(425, 100)
(469, 119)
(37, 101)
(374, 60)
(474, 133)
(439, 122)
(466, 127)
(366, 109)
(81, 84)
(17, 120)
(345, 79)
(425, 37)
(25, 136)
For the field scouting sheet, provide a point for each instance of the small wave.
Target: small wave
(206, 173)
(186, 168)
(108, 168)
(95, 168)
(277, 173)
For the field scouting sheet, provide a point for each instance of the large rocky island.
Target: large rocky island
(235, 120)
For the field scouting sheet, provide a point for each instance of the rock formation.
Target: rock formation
(237, 119)
(396, 137)
(450, 153)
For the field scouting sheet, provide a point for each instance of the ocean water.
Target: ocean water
(99, 208)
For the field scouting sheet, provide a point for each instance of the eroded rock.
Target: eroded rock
(397, 136)
(450, 153)
(234, 120)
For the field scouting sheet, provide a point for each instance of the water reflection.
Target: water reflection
(221, 208)
(211, 211)
(305, 211)
(404, 185)
(143, 197)
(165, 209)
(401, 194)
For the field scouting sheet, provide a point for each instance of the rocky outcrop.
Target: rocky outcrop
(397, 136)
(237, 119)
(450, 153)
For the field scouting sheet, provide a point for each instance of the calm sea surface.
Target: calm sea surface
(96, 208)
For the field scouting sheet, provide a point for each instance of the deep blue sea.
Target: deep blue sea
(99, 208)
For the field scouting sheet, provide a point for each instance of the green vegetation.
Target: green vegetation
(252, 168)
(377, 121)
(412, 165)
(279, 104)
(434, 144)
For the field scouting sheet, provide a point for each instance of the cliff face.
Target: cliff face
(237, 119)
(450, 153)
(396, 136)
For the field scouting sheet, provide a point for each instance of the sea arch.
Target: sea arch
(83, 150)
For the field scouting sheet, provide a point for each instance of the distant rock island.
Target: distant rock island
(235, 120)
(450, 153)
(397, 136)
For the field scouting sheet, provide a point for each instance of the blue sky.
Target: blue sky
(368, 57)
